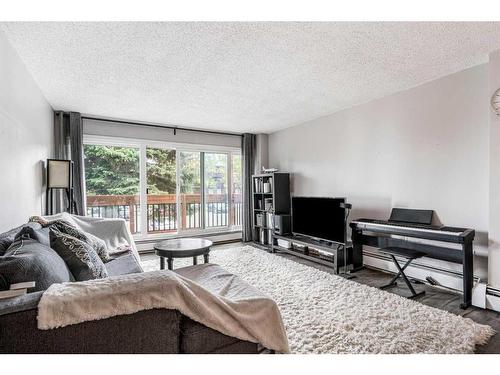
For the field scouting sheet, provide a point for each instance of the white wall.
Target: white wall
(26, 131)
(261, 152)
(427, 147)
(494, 234)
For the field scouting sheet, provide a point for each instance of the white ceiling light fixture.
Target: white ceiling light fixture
(495, 102)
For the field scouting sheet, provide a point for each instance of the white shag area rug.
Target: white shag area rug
(324, 313)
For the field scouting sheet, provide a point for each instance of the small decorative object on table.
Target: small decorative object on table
(269, 170)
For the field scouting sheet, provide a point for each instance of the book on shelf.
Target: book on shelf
(268, 204)
(258, 185)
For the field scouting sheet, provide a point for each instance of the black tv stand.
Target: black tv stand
(335, 249)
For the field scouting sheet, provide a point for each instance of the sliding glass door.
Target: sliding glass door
(161, 190)
(236, 214)
(190, 189)
(175, 189)
(112, 182)
(216, 190)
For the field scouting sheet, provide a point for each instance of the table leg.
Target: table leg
(162, 263)
(205, 257)
(170, 262)
(195, 261)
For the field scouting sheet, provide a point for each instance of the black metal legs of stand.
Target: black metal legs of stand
(347, 208)
(468, 274)
(345, 274)
(405, 279)
(381, 239)
(356, 251)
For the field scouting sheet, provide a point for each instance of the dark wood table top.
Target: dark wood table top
(183, 247)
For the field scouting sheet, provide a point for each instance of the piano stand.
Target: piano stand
(410, 255)
(374, 233)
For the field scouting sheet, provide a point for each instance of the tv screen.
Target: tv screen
(321, 218)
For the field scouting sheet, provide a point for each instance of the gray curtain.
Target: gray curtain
(248, 145)
(68, 145)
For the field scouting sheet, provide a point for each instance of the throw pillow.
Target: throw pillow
(97, 244)
(35, 232)
(81, 258)
(29, 260)
(7, 238)
(68, 228)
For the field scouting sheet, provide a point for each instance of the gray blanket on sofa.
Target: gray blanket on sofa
(206, 293)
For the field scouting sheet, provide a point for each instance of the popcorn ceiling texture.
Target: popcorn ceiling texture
(257, 77)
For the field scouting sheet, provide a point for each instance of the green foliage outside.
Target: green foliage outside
(160, 171)
(236, 163)
(190, 172)
(111, 170)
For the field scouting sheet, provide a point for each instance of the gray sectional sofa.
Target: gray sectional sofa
(149, 331)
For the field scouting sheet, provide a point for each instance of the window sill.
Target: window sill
(147, 244)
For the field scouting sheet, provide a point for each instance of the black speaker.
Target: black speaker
(282, 224)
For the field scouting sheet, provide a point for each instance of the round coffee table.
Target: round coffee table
(182, 248)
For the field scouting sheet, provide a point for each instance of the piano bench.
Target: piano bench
(409, 255)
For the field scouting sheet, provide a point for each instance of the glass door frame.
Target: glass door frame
(142, 144)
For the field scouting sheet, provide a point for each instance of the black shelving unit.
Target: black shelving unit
(270, 196)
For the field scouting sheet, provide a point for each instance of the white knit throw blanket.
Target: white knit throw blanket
(206, 293)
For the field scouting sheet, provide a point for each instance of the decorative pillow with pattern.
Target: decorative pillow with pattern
(97, 244)
(80, 257)
(68, 228)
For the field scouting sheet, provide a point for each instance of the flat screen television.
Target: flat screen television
(319, 218)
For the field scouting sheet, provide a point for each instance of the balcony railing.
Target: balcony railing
(162, 211)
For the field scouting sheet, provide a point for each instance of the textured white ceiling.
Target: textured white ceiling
(239, 77)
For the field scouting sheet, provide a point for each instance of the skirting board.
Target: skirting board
(492, 299)
(446, 279)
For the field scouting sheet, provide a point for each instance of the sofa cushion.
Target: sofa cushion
(24, 302)
(66, 227)
(148, 331)
(122, 263)
(197, 338)
(97, 244)
(7, 238)
(29, 260)
(80, 257)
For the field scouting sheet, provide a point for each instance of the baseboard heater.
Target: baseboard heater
(491, 291)
(146, 245)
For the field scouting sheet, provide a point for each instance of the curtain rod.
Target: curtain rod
(174, 128)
